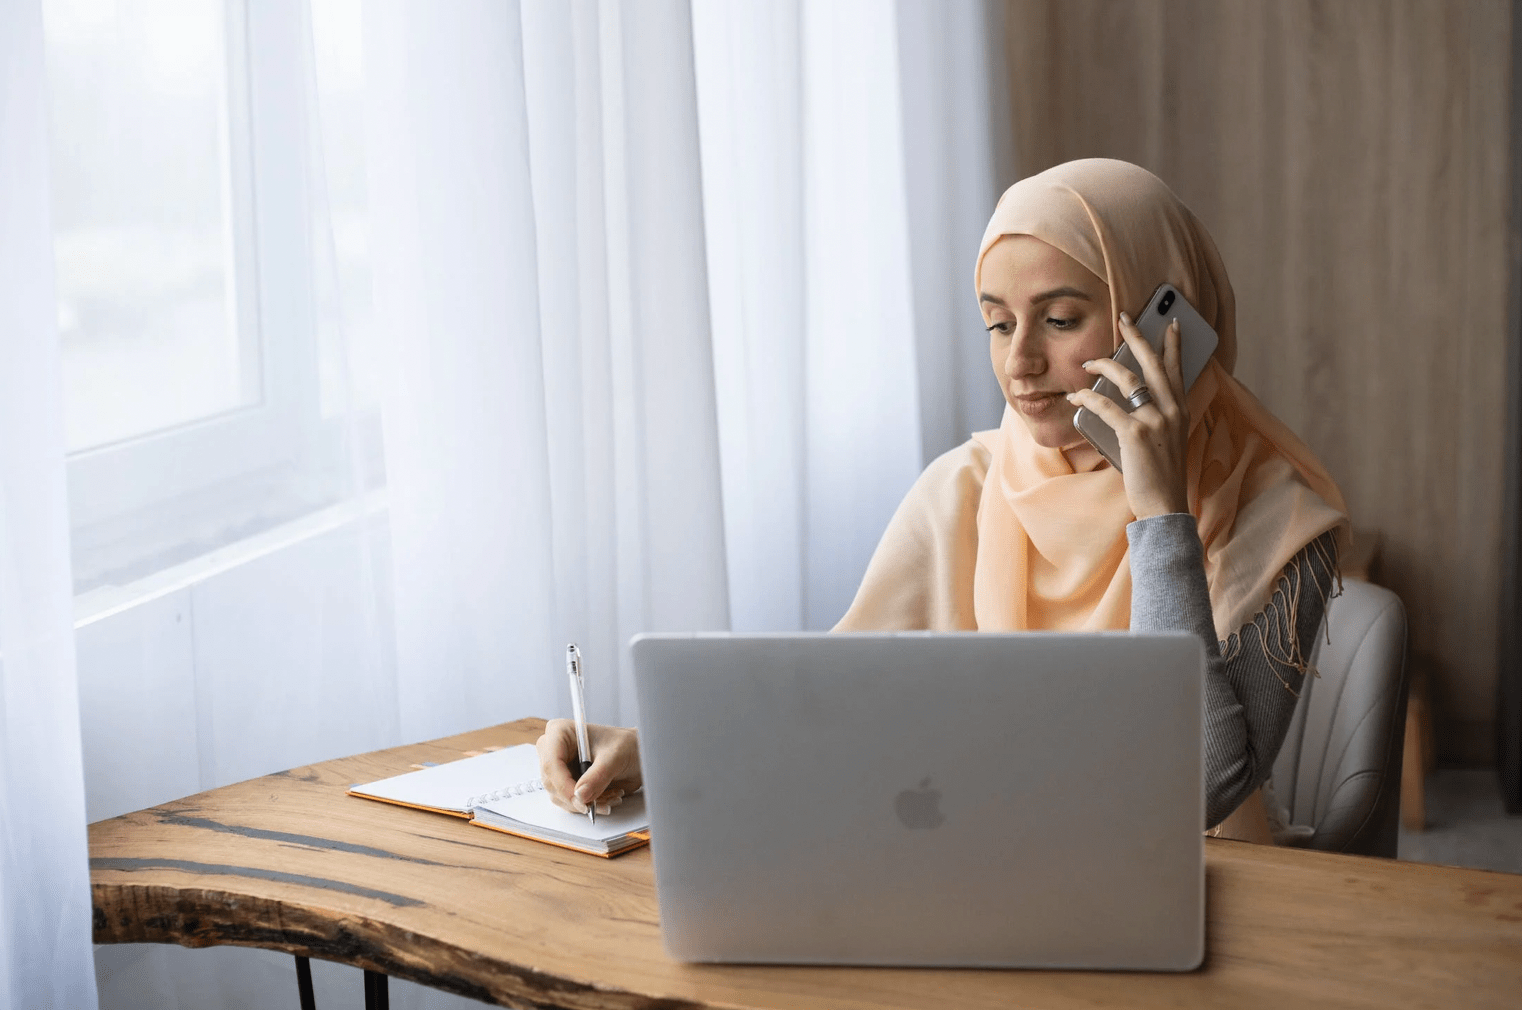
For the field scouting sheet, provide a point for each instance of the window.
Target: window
(201, 289)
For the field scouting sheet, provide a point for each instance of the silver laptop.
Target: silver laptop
(1021, 800)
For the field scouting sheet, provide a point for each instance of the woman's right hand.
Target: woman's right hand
(614, 772)
(1154, 438)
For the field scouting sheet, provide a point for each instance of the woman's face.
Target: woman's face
(1046, 315)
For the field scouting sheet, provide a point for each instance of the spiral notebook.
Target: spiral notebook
(501, 790)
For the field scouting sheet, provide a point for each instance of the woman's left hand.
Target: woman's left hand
(1154, 438)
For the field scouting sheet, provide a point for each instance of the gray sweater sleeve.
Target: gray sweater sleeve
(1250, 694)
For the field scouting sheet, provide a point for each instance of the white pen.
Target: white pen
(579, 710)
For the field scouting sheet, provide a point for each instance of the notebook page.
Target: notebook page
(451, 786)
(536, 810)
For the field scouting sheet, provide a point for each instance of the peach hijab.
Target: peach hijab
(1047, 549)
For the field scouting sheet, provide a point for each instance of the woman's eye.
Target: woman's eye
(1002, 328)
(1062, 324)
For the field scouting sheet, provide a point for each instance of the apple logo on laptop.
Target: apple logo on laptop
(921, 807)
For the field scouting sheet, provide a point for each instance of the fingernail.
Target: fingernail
(1125, 318)
(1072, 397)
(582, 796)
(1086, 364)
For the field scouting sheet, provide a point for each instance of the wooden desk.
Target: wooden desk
(289, 863)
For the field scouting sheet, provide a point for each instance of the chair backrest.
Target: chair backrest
(1339, 768)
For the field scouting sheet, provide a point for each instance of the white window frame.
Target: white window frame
(227, 461)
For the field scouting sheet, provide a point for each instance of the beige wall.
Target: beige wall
(1351, 159)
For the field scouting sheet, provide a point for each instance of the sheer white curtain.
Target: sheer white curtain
(850, 152)
(672, 310)
(670, 305)
(44, 882)
(550, 434)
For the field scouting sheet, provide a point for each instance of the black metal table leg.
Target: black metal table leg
(376, 996)
(304, 983)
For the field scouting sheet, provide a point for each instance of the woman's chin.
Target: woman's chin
(1052, 432)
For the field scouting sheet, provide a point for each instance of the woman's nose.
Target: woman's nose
(1024, 358)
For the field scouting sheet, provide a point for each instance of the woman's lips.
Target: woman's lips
(1036, 404)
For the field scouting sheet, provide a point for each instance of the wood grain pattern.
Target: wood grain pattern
(288, 862)
(1351, 159)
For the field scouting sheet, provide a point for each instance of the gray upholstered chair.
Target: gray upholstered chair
(1338, 771)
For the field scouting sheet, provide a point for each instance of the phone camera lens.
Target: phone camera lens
(1164, 305)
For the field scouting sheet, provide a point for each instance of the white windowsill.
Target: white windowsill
(107, 601)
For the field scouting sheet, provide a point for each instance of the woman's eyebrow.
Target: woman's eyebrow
(1045, 296)
(1064, 292)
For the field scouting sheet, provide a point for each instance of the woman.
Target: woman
(1221, 522)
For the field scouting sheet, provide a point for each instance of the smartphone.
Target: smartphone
(1197, 341)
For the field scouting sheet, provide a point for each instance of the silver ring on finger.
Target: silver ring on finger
(1140, 397)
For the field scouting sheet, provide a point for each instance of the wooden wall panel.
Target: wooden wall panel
(1351, 159)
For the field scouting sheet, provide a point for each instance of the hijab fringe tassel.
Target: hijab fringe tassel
(1278, 636)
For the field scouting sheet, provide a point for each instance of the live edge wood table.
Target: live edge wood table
(288, 862)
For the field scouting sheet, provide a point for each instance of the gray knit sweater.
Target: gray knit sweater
(1250, 694)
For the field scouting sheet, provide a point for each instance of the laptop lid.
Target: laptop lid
(1012, 800)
